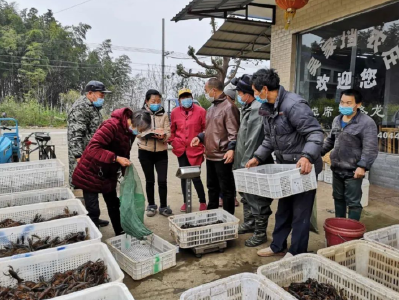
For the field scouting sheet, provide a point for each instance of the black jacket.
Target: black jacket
(354, 146)
(291, 131)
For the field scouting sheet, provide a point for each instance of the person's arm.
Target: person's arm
(252, 138)
(306, 124)
(369, 137)
(173, 128)
(232, 123)
(77, 126)
(101, 139)
(329, 142)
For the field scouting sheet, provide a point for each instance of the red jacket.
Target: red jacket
(97, 170)
(186, 124)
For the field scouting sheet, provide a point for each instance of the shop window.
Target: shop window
(360, 52)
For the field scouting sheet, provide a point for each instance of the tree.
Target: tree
(223, 68)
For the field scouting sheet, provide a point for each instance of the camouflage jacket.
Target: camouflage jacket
(83, 121)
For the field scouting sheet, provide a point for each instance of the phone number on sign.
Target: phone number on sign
(388, 135)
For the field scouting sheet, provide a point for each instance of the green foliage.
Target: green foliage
(203, 101)
(30, 113)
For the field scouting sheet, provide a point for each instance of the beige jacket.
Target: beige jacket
(159, 119)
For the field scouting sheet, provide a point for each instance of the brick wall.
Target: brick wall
(314, 14)
(385, 171)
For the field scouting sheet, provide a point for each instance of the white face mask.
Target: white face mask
(209, 98)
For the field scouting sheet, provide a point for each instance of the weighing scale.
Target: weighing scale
(189, 173)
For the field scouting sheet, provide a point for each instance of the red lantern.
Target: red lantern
(290, 7)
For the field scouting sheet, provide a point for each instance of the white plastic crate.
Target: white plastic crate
(368, 259)
(32, 268)
(141, 259)
(193, 237)
(33, 175)
(245, 286)
(274, 180)
(35, 196)
(108, 291)
(59, 228)
(321, 176)
(27, 213)
(387, 236)
(304, 266)
(328, 174)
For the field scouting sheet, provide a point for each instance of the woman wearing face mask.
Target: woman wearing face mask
(188, 120)
(153, 153)
(107, 152)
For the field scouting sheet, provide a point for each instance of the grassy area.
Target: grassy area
(31, 113)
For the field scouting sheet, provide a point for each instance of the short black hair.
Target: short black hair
(141, 119)
(215, 83)
(266, 77)
(151, 93)
(354, 93)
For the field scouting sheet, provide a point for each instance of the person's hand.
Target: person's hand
(159, 136)
(359, 173)
(229, 157)
(305, 165)
(78, 160)
(252, 163)
(195, 142)
(124, 162)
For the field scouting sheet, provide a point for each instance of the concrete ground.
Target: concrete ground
(191, 271)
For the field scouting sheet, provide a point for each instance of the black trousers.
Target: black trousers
(347, 192)
(199, 187)
(293, 213)
(260, 206)
(93, 207)
(220, 179)
(159, 160)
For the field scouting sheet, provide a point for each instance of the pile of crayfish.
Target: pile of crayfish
(85, 276)
(189, 225)
(313, 290)
(36, 243)
(7, 223)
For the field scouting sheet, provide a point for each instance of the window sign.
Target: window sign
(360, 52)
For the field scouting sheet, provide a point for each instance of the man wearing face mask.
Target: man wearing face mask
(250, 136)
(354, 144)
(84, 118)
(219, 138)
(187, 121)
(296, 137)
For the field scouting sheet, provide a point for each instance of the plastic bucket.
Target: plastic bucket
(341, 230)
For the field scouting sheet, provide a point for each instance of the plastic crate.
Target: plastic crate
(368, 259)
(321, 176)
(193, 237)
(141, 259)
(32, 268)
(59, 228)
(365, 193)
(245, 286)
(328, 174)
(108, 291)
(27, 213)
(34, 175)
(387, 236)
(304, 266)
(36, 196)
(274, 181)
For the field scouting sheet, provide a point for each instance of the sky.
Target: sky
(134, 23)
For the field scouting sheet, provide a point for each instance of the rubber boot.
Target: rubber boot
(260, 235)
(340, 209)
(355, 213)
(249, 220)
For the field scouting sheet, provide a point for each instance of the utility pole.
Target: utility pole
(163, 57)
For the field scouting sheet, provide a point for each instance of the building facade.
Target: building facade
(332, 45)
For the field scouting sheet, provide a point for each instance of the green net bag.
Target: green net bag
(132, 205)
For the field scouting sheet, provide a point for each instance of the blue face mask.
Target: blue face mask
(260, 100)
(134, 131)
(99, 102)
(346, 111)
(239, 99)
(187, 103)
(155, 107)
